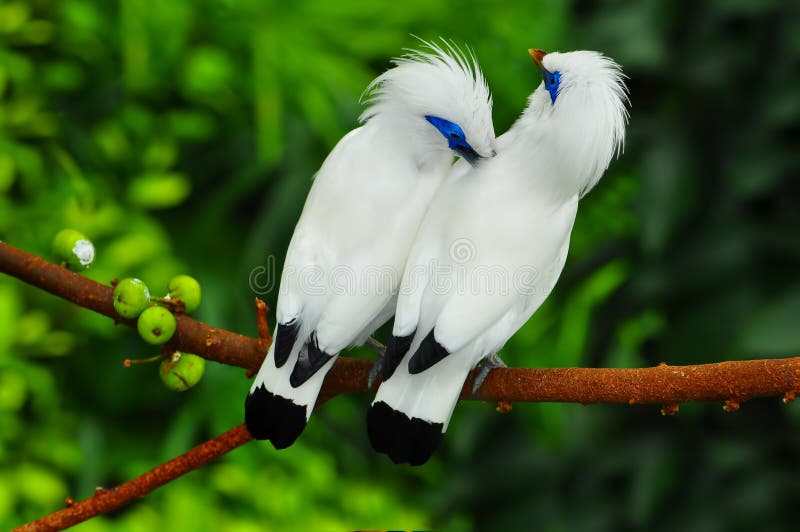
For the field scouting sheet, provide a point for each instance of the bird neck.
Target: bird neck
(566, 155)
(412, 137)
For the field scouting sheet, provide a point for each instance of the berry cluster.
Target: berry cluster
(156, 324)
(154, 317)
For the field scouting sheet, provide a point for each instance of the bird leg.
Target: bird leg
(487, 364)
(377, 368)
(376, 346)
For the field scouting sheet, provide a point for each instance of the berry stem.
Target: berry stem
(128, 362)
(176, 306)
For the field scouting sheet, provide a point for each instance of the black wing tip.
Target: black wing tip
(298, 377)
(396, 349)
(305, 369)
(285, 337)
(429, 352)
(274, 418)
(406, 440)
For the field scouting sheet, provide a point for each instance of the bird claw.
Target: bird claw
(375, 372)
(377, 368)
(488, 364)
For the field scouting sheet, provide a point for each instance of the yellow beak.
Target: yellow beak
(537, 56)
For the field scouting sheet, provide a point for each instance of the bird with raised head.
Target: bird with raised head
(346, 256)
(498, 234)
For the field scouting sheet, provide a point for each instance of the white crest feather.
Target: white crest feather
(454, 89)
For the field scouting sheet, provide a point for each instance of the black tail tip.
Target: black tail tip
(406, 440)
(274, 418)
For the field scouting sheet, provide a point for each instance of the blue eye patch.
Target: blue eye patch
(551, 82)
(456, 139)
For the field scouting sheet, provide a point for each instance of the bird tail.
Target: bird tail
(285, 389)
(411, 412)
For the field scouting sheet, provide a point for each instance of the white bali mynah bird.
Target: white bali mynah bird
(346, 257)
(492, 246)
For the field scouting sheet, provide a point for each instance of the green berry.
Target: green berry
(156, 325)
(181, 371)
(131, 297)
(187, 289)
(73, 249)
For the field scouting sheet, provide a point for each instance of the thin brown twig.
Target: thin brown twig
(262, 310)
(264, 336)
(106, 500)
(731, 382)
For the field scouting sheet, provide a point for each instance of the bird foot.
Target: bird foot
(377, 368)
(376, 346)
(487, 364)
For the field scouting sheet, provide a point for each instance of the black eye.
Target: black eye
(454, 135)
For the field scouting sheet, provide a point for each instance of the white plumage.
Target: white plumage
(492, 246)
(346, 257)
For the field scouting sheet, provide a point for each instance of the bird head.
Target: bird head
(583, 100)
(438, 100)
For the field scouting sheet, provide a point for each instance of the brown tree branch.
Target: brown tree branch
(107, 500)
(191, 336)
(731, 382)
(737, 381)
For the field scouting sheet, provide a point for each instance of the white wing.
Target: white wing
(341, 273)
(338, 273)
(484, 249)
(492, 250)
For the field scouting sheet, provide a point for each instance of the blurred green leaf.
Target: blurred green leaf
(208, 73)
(577, 318)
(40, 486)
(158, 190)
(774, 329)
(12, 391)
(267, 97)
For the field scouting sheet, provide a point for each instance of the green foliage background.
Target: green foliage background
(182, 136)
